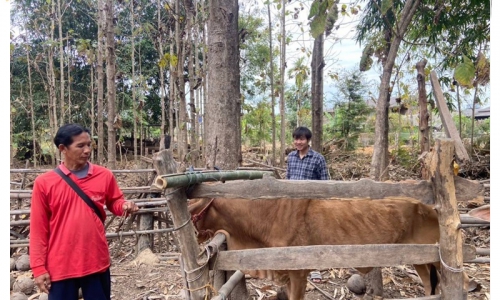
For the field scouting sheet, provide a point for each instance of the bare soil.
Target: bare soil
(157, 275)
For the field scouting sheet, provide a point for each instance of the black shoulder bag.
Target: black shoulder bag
(80, 193)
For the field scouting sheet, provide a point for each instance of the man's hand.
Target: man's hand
(129, 207)
(43, 282)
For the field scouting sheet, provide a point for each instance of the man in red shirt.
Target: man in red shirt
(68, 246)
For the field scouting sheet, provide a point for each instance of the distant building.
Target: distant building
(395, 105)
(479, 114)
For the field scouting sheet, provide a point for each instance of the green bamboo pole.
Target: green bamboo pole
(187, 179)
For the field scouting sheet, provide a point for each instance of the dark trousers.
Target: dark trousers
(95, 286)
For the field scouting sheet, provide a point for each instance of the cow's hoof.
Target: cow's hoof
(356, 284)
(282, 295)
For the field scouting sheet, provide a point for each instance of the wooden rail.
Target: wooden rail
(443, 189)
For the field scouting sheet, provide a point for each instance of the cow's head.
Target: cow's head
(198, 209)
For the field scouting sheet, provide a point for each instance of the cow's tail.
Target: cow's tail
(434, 279)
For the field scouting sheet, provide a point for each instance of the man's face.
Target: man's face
(78, 153)
(300, 143)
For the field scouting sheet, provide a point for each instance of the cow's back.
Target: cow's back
(336, 222)
(301, 222)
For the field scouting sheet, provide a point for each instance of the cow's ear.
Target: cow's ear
(195, 205)
(482, 212)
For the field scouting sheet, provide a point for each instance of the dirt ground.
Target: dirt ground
(157, 275)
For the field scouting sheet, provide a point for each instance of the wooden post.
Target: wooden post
(145, 240)
(146, 223)
(224, 282)
(197, 281)
(449, 125)
(450, 242)
(424, 114)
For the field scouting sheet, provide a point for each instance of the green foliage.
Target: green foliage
(256, 124)
(405, 157)
(323, 15)
(465, 73)
(481, 127)
(366, 61)
(351, 110)
(386, 5)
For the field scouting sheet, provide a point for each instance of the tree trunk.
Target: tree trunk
(317, 66)
(61, 62)
(473, 118)
(133, 84)
(52, 85)
(70, 117)
(162, 75)
(282, 82)
(380, 158)
(110, 74)
(271, 77)
(101, 37)
(205, 86)
(199, 72)
(190, 14)
(92, 113)
(32, 111)
(422, 103)
(171, 84)
(223, 108)
(181, 94)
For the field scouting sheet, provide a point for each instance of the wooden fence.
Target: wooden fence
(442, 189)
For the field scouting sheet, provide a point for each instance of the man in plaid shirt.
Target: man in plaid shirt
(305, 163)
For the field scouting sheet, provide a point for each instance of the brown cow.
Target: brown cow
(285, 222)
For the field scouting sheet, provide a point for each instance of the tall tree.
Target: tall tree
(271, 77)
(181, 87)
(51, 76)
(134, 83)
(190, 54)
(101, 39)
(161, 31)
(282, 84)
(324, 14)
(32, 108)
(317, 66)
(393, 24)
(223, 107)
(110, 82)
(61, 61)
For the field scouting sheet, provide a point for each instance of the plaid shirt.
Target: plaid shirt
(310, 167)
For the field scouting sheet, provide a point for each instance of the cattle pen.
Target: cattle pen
(442, 189)
(173, 189)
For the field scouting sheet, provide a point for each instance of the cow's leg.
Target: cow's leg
(430, 278)
(297, 284)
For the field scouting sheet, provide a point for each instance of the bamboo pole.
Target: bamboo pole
(226, 289)
(188, 179)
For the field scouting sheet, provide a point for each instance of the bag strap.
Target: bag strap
(79, 191)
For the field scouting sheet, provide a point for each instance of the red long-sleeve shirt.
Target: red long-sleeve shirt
(67, 238)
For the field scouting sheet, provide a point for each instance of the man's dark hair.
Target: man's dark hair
(302, 132)
(66, 133)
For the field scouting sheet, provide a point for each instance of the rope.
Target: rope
(209, 288)
(200, 267)
(454, 270)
